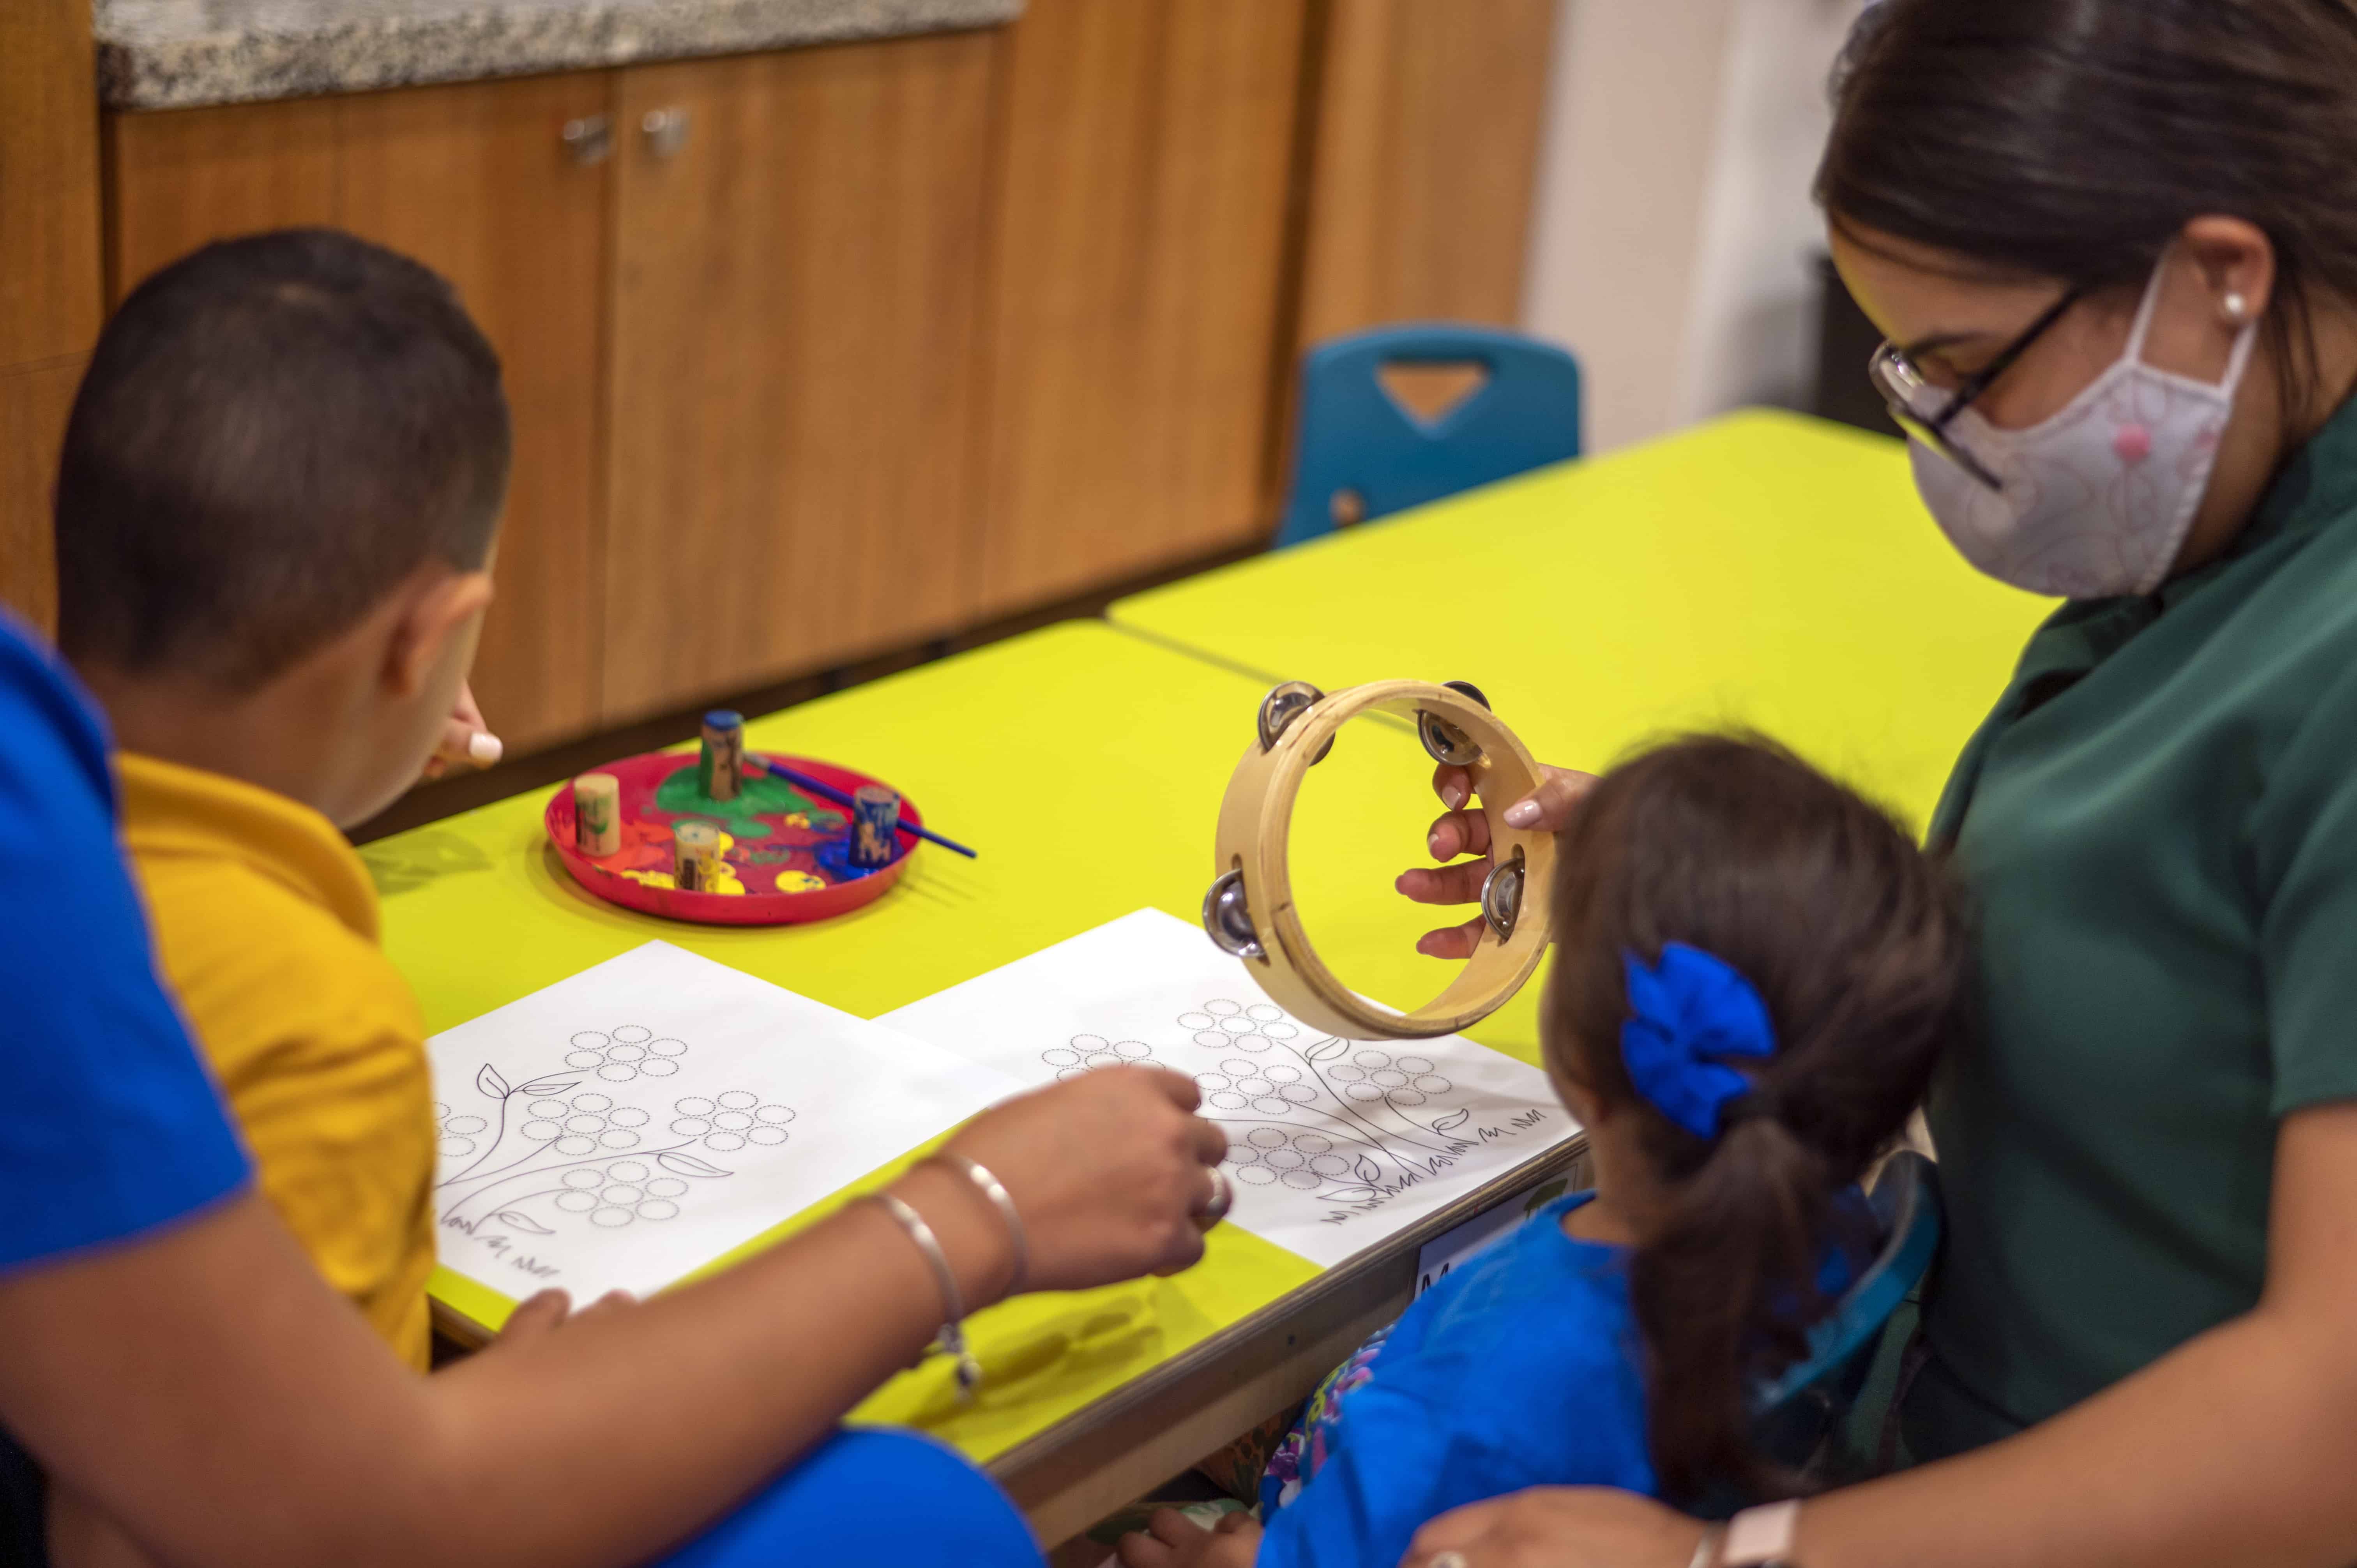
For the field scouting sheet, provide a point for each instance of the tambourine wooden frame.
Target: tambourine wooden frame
(1256, 819)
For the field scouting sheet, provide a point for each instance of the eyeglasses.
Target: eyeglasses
(1924, 410)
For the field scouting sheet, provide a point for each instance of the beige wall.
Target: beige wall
(1673, 229)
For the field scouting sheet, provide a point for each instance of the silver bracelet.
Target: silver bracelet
(951, 1340)
(1002, 1200)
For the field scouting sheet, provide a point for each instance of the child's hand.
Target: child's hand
(466, 740)
(1173, 1541)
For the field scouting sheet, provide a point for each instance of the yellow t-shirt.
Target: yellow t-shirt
(266, 926)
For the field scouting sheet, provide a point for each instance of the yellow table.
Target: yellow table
(1764, 569)
(1087, 768)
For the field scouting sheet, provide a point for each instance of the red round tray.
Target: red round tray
(784, 847)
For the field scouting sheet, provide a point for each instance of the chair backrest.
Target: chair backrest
(1792, 1413)
(1356, 446)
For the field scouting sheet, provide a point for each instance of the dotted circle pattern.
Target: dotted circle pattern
(1087, 1053)
(620, 1194)
(584, 1124)
(628, 1051)
(1277, 1156)
(725, 1123)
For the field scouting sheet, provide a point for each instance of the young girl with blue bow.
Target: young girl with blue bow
(1756, 970)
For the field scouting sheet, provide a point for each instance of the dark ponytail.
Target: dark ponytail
(1855, 941)
(2074, 139)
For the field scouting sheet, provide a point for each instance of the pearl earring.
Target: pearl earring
(2236, 307)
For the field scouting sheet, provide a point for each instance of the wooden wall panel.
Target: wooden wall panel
(1426, 161)
(33, 406)
(48, 181)
(792, 372)
(474, 181)
(1140, 245)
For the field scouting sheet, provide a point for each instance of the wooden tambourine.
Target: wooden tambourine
(1249, 910)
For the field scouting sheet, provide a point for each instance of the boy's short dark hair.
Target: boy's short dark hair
(273, 433)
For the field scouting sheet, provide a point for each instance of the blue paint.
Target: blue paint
(834, 858)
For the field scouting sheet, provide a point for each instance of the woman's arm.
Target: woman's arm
(204, 1393)
(2235, 1447)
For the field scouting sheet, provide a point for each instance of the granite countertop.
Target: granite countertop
(169, 54)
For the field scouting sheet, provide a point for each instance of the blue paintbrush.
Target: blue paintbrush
(827, 792)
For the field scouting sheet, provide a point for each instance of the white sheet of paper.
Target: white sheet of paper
(625, 1126)
(1334, 1145)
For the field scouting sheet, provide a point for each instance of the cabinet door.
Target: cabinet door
(1140, 256)
(473, 180)
(793, 369)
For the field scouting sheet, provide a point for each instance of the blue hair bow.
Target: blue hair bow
(1684, 1013)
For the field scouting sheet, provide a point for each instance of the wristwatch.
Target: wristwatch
(1761, 1537)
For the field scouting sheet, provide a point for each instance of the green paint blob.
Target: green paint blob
(683, 793)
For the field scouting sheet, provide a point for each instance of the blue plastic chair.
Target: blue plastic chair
(1358, 454)
(1793, 1413)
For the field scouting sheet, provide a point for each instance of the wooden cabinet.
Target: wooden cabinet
(793, 397)
(1138, 276)
(476, 182)
(845, 348)
(49, 273)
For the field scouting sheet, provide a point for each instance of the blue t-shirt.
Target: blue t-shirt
(109, 1124)
(1521, 1369)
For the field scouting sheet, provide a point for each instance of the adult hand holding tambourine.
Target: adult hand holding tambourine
(1459, 832)
(1249, 909)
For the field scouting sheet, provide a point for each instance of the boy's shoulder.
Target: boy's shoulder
(265, 919)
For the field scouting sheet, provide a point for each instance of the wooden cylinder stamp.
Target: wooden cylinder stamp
(720, 765)
(1249, 909)
(875, 826)
(598, 813)
(695, 863)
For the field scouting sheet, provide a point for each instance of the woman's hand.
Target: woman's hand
(1108, 1172)
(1558, 1527)
(1171, 1540)
(1459, 832)
(467, 741)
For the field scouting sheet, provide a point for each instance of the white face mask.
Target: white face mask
(2098, 497)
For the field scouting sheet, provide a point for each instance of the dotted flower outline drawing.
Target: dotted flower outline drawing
(1346, 1121)
(553, 1153)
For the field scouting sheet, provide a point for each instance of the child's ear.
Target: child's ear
(437, 610)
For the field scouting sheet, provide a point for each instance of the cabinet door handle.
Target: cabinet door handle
(589, 139)
(665, 131)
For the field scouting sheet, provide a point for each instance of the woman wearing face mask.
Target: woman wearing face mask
(2114, 244)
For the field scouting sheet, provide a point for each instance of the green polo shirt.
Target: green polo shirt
(2158, 823)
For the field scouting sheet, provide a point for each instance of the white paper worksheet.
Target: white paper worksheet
(1333, 1144)
(625, 1126)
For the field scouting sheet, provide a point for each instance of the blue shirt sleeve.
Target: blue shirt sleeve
(110, 1125)
(1518, 1370)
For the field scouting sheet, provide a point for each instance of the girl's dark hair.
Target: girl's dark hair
(1856, 940)
(2074, 139)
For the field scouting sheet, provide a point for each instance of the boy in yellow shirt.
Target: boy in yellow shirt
(275, 514)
